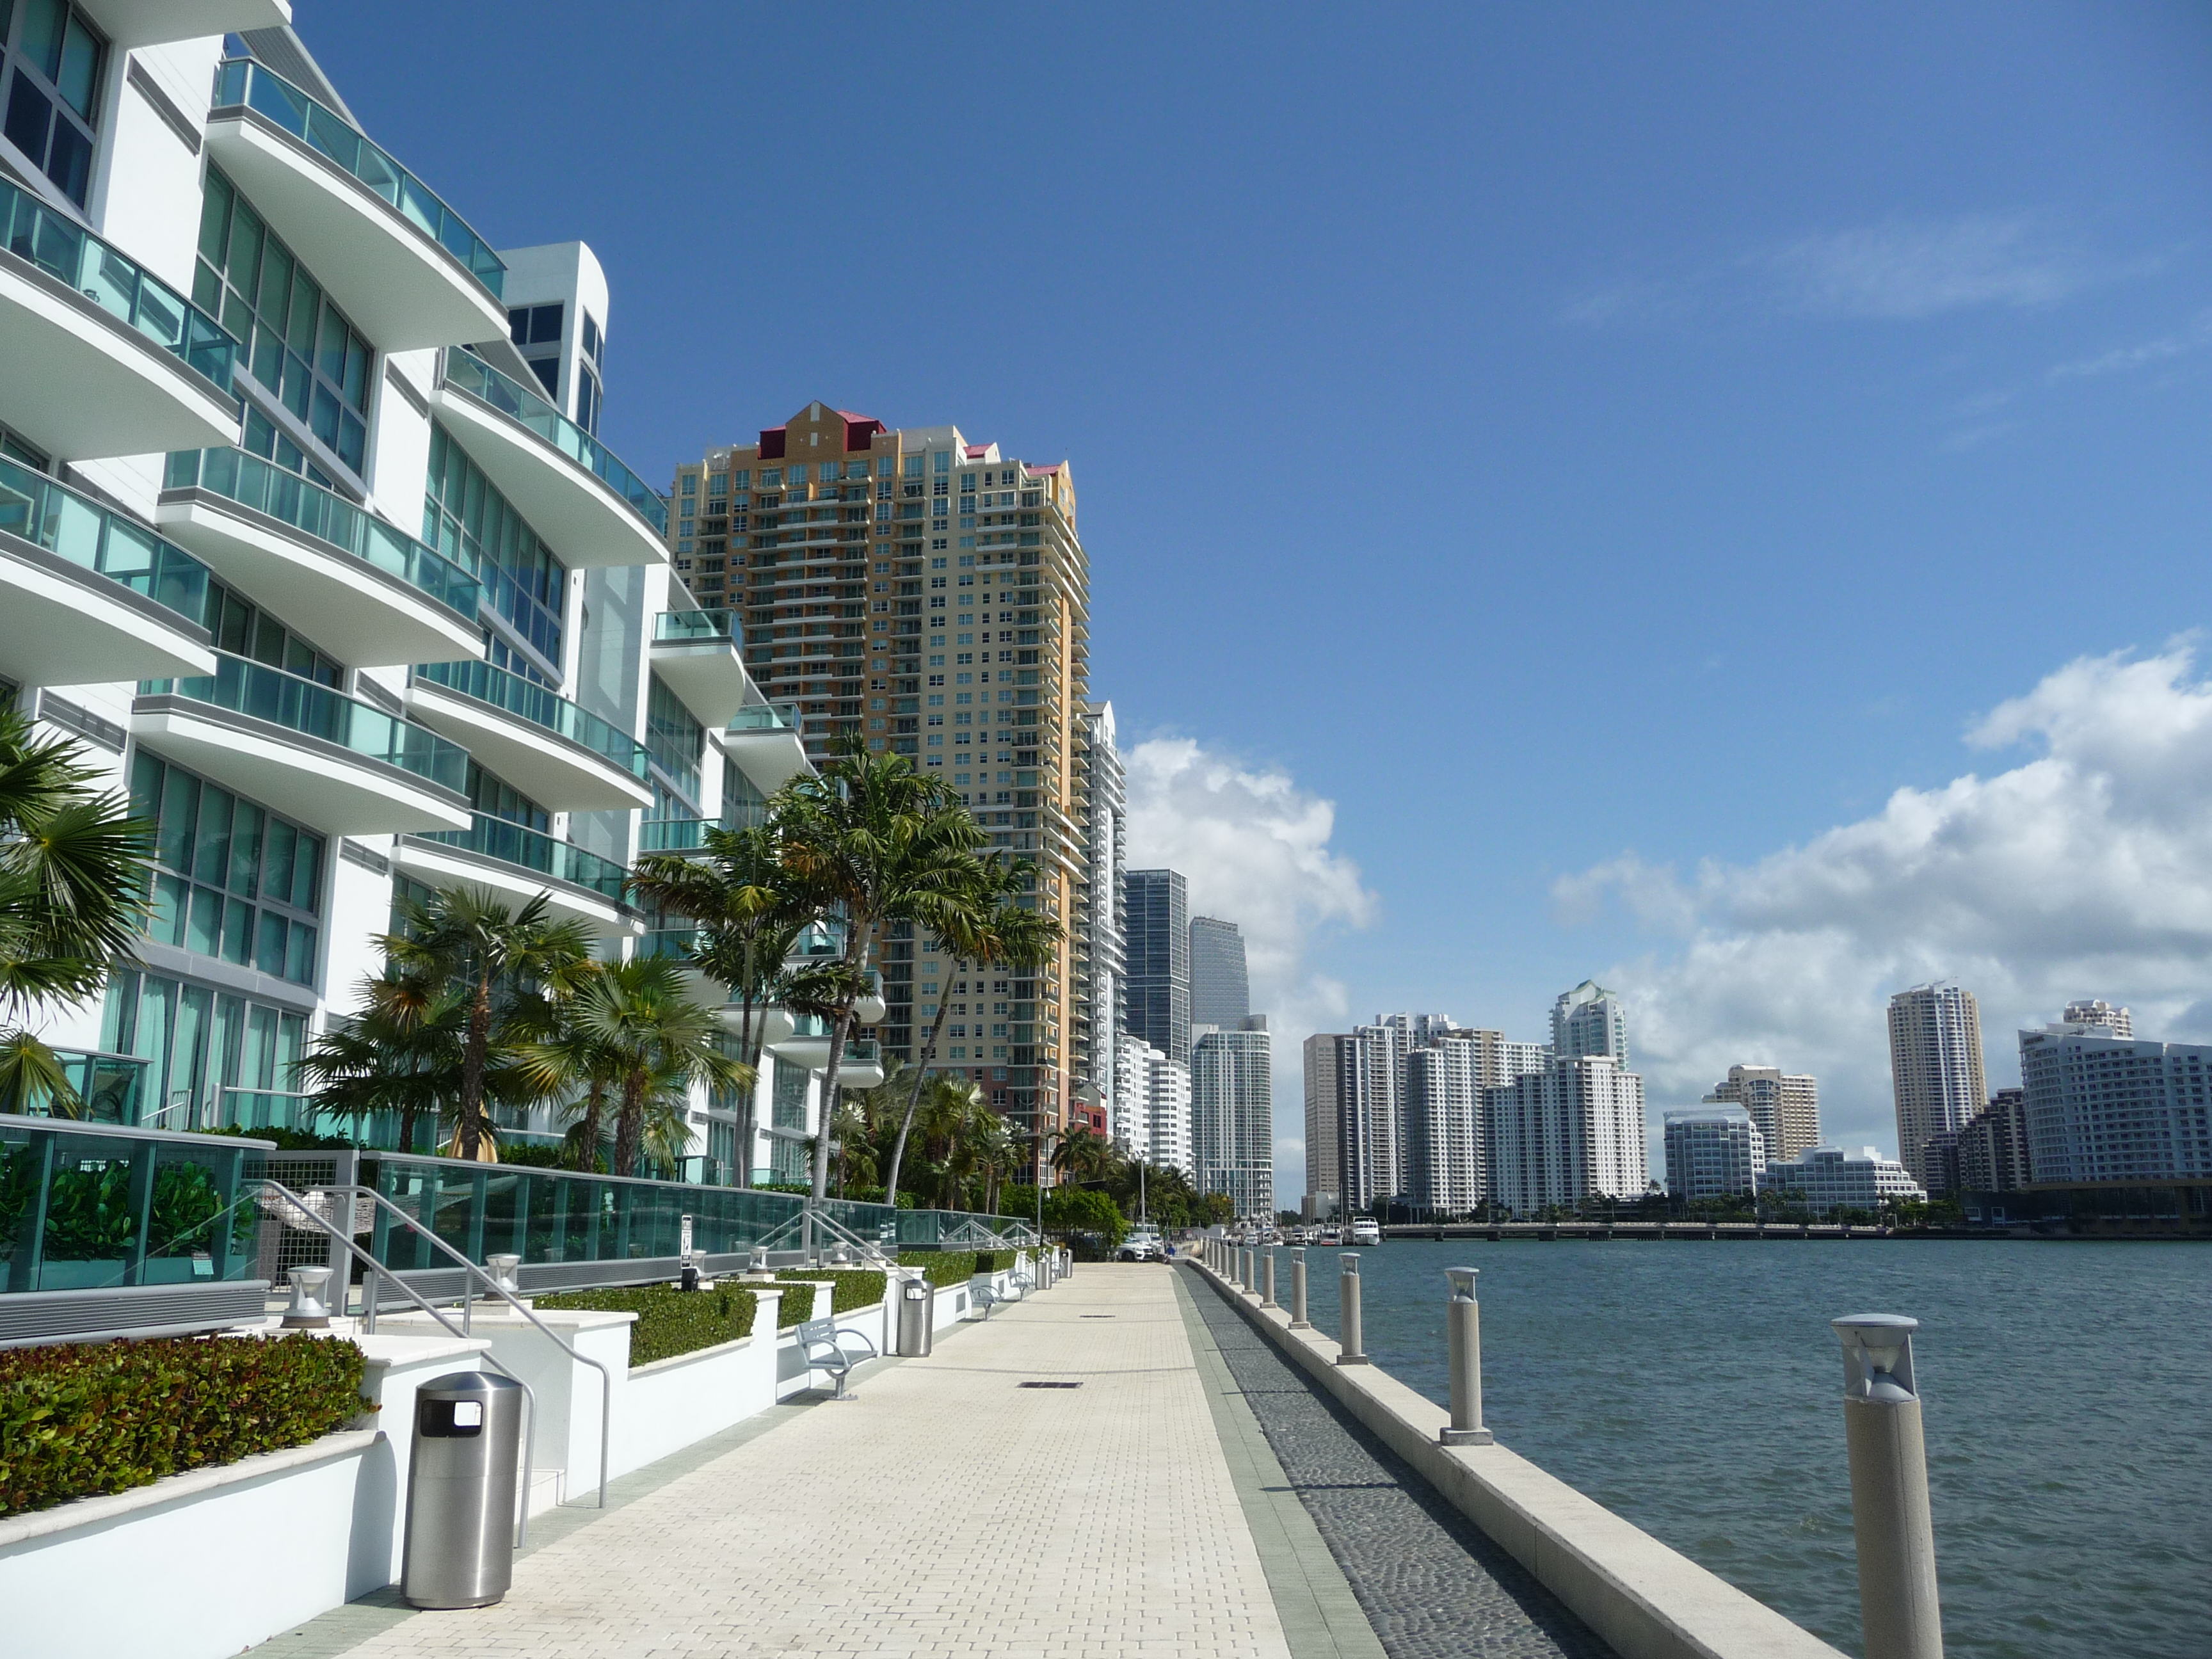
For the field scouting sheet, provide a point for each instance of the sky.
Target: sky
(1709, 498)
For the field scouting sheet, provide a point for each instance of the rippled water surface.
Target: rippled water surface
(1696, 1388)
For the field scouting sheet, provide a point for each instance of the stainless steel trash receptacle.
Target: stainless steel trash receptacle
(460, 1491)
(917, 1318)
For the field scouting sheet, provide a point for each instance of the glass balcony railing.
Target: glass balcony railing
(480, 379)
(686, 627)
(241, 81)
(539, 705)
(671, 942)
(282, 699)
(85, 533)
(308, 508)
(766, 717)
(529, 849)
(109, 1089)
(117, 284)
(674, 834)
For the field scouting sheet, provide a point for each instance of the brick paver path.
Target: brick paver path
(947, 1511)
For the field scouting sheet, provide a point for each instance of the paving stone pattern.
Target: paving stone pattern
(1432, 1584)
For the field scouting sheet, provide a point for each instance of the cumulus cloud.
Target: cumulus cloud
(2085, 869)
(1255, 849)
(1906, 270)
(2124, 359)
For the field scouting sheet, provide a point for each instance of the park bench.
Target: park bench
(985, 1298)
(821, 1344)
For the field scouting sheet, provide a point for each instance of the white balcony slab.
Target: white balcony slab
(61, 624)
(371, 617)
(580, 516)
(396, 283)
(769, 756)
(131, 23)
(324, 785)
(707, 674)
(441, 865)
(76, 380)
(558, 772)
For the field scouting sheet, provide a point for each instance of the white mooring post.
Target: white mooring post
(1351, 1352)
(1298, 1320)
(1898, 1612)
(1266, 1277)
(1463, 1337)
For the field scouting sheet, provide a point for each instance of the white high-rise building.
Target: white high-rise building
(1830, 1178)
(1444, 1138)
(1153, 1098)
(1713, 1152)
(1572, 1131)
(2097, 1011)
(1233, 1116)
(1590, 1020)
(1098, 921)
(1379, 1153)
(1935, 1067)
(1786, 1108)
(2104, 1107)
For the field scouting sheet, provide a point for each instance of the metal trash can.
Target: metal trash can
(460, 1491)
(917, 1318)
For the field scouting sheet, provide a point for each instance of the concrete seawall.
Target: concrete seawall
(1647, 1600)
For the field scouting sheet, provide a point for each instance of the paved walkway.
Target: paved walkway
(947, 1511)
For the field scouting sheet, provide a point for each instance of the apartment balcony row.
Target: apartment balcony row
(765, 740)
(556, 753)
(696, 655)
(518, 863)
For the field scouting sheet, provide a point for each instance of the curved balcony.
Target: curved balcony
(336, 571)
(404, 266)
(129, 24)
(557, 754)
(86, 595)
(860, 1066)
(338, 764)
(571, 487)
(696, 655)
(98, 356)
(763, 739)
(519, 864)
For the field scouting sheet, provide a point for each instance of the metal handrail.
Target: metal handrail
(473, 1272)
(807, 1219)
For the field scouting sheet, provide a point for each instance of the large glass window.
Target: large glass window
(672, 736)
(232, 880)
(300, 349)
(56, 61)
(243, 629)
(494, 798)
(472, 523)
(198, 1042)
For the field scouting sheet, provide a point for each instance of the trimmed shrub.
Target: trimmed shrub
(957, 1267)
(797, 1306)
(852, 1287)
(78, 1421)
(670, 1321)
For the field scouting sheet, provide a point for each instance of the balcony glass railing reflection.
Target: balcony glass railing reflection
(240, 81)
(687, 627)
(107, 1089)
(480, 379)
(308, 508)
(86, 533)
(528, 849)
(539, 705)
(282, 699)
(766, 717)
(117, 284)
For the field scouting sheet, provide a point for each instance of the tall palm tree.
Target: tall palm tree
(560, 1059)
(460, 933)
(663, 1041)
(996, 1151)
(872, 838)
(401, 1054)
(75, 871)
(980, 920)
(1083, 1155)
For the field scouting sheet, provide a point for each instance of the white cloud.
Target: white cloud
(1255, 849)
(1906, 269)
(2084, 870)
(2193, 337)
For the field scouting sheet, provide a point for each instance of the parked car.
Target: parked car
(1365, 1231)
(1143, 1244)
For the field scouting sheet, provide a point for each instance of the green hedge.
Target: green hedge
(796, 1307)
(670, 1321)
(77, 1421)
(852, 1287)
(956, 1267)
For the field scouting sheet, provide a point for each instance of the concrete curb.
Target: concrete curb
(1647, 1600)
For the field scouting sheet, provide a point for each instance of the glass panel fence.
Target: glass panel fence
(86, 533)
(480, 379)
(529, 701)
(681, 626)
(512, 843)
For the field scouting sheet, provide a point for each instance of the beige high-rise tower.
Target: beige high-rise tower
(1934, 1067)
(1785, 1108)
(930, 595)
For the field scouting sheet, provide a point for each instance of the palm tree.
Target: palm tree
(401, 1054)
(949, 1108)
(75, 870)
(1081, 1155)
(558, 1058)
(872, 838)
(659, 1041)
(458, 933)
(996, 1150)
(980, 920)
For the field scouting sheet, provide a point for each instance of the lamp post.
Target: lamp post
(1350, 1350)
(1898, 1612)
(1463, 1337)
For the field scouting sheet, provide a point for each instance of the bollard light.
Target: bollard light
(1298, 1320)
(1351, 1350)
(1268, 1279)
(504, 1273)
(308, 1311)
(1900, 1614)
(1463, 1339)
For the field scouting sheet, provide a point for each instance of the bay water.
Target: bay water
(1695, 1388)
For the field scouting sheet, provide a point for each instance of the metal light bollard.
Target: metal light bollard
(1351, 1350)
(1266, 1278)
(1463, 1339)
(1898, 1612)
(1298, 1320)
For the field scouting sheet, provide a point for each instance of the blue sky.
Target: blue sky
(1581, 444)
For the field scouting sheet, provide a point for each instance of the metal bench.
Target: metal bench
(820, 1344)
(985, 1298)
(1020, 1284)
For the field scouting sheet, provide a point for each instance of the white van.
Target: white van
(1364, 1232)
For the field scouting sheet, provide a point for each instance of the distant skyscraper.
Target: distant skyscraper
(2117, 1021)
(1993, 1154)
(1232, 1118)
(1934, 1067)
(1152, 1102)
(1156, 934)
(1713, 1152)
(1570, 1132)
(1589, 1020)
(1445, 1168)
(1220, 994)
(1098, 914)
(1786, 1108)
(1333, 1098)
(2102, 1108)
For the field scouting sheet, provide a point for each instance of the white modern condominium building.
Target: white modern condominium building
(1152, 1106)
(1830, 1178)
(1446, 1165)
(1233, 1116)
(306, 531)
(1572, 1131)
(1590, 1020)
(2101, 1107)
(1713, 1152)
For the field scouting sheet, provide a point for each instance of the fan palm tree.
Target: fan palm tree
(402, 1053)
(75, 871)
(459, 934)
(560, 1059)
(1081, 1154)
(979, 919)
(659, 1041)
(872, 838)
(996, 1151)
(949, 1108)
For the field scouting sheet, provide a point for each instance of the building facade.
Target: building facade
(1713, 1152)
(1573, 1131)
(1993, 1148)
(1590, 1020)
(1156, 943)
(1220, 988)
(1829, 1178)
(1152, 1103)
(1785, 1108)
(2104, 1107)
(2097, 1011)
(1232, 1116)
(1096, 1022)
(1935, 1067)
(1333, 1111)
